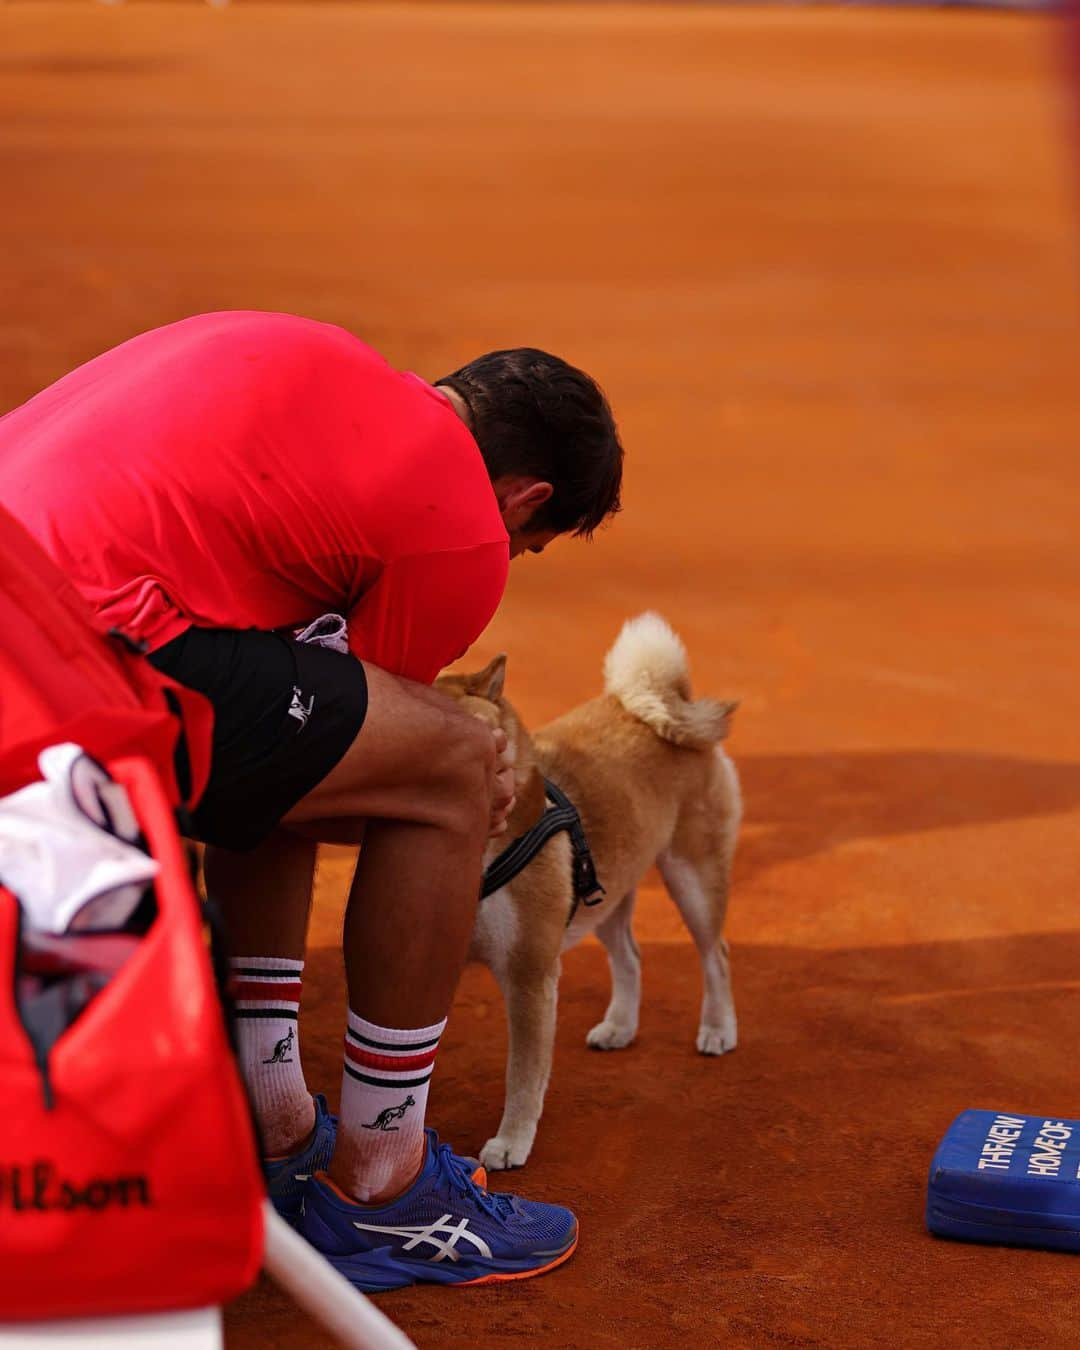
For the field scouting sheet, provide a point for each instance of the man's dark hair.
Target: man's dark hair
(533, 414)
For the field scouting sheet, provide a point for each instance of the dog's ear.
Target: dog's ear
(488, 683)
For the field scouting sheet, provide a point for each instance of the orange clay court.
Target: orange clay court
(824, 262)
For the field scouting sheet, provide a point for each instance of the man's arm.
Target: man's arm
(427, 609)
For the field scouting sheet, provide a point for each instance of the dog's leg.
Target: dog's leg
(700, 890)
(530, 1014)
(620, 1023)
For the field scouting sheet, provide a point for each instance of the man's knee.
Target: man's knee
(464, 771)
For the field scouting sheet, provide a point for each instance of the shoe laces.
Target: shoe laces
(459, 1174)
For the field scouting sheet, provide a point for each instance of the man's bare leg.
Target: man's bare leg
(264, 895)
(410, 916)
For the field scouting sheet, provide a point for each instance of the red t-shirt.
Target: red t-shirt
(257, 470)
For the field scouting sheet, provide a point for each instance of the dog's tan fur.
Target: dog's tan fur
(644, 767)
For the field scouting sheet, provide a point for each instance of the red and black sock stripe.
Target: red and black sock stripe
(265, 987)
(389, 1063)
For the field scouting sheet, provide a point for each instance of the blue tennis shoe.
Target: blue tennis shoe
(446, 1229)
(286, 1178)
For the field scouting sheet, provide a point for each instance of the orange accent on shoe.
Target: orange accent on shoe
(326, 1180)
(331, 1185)
(518, 1274)
(480, 1176)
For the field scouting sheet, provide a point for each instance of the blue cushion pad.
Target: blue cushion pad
(999, 1176)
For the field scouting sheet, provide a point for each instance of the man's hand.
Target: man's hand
(502, 791)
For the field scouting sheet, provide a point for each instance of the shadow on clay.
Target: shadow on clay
(815, 802)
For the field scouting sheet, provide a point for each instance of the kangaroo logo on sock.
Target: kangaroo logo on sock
(281, 1050)
(383, 1119)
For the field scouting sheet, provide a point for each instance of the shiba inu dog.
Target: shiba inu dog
(644, 767)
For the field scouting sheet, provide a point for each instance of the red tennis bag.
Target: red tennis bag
(129, 1179)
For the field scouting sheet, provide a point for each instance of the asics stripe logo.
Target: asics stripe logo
(443, 1248)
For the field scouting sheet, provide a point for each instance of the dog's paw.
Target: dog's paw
(717, 1040)
(504, 1151)
(608, 1036)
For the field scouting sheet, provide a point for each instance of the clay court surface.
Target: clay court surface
(823, 260)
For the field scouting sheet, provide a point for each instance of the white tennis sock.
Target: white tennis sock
(266, 992)
(384, 1092)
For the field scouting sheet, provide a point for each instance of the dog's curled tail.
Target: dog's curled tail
(648, 672)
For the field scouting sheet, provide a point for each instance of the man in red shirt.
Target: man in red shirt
(213, 487)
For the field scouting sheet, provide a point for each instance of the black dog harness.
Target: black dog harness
(517, 856)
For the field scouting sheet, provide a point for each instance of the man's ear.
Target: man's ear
(536, 495)
(520, 497)
(488, 683)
